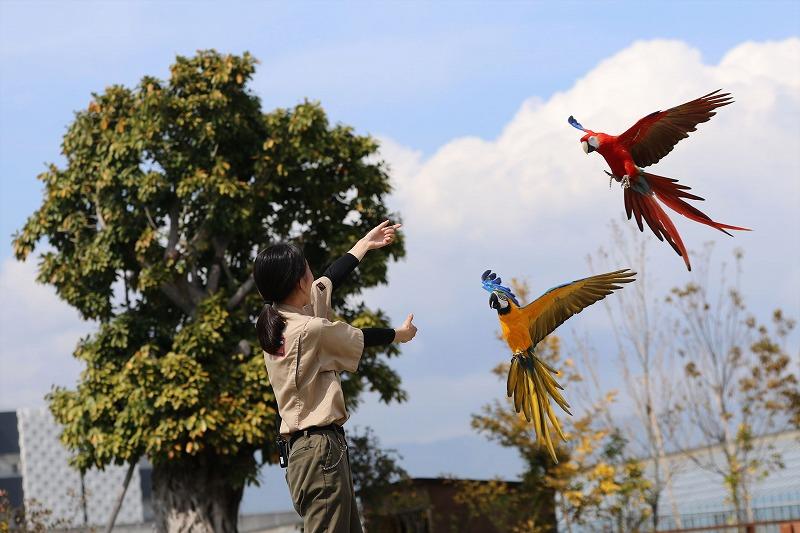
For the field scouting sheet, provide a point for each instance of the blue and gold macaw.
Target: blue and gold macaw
(530, 380)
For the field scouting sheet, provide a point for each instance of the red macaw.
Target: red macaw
(645, 143)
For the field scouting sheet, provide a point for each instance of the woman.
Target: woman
(304, 352)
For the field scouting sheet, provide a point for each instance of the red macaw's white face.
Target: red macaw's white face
(590, 143)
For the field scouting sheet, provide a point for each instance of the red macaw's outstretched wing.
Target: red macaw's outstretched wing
(555, 306)
(655, 135)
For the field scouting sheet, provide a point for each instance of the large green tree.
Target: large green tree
(168, 192)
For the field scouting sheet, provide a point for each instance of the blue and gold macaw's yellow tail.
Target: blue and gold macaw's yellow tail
(531, 384)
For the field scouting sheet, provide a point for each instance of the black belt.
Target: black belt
(315, 429)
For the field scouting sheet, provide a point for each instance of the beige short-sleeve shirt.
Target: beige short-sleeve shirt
(305, 373)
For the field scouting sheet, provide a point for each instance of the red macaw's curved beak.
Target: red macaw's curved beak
(587, 148)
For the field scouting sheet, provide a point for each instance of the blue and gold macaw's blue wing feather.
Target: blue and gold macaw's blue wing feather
(558, 304)
(575, 124)
(492, 283)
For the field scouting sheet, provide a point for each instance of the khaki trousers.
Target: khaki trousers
(321, 483)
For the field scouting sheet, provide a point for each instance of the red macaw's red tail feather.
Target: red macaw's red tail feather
(640, 201)
(645, 206)
(670, 192)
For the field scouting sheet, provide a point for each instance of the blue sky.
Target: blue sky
(426, 78)
(418, 72)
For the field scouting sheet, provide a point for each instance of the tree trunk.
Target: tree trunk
(195, 496)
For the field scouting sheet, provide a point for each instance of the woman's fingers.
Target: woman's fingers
(381, 235)
(407, 331)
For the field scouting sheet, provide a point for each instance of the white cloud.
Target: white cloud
(38, 333)
(531, 204)
(534, 171)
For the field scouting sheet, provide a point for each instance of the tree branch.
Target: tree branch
(150, 218)
(220, 245)
(99, 214)
(172, 241)
(240, 294)
(176, 296)
(213, 278)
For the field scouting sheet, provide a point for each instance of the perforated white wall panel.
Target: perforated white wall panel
(48, 478)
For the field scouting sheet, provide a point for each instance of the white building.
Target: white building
(34, 467)
(702, 502)
(700, 494)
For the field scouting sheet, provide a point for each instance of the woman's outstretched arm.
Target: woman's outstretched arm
(384, 336)
(378, 237)
(340, 269)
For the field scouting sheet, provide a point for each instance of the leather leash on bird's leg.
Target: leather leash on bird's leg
(625, 181)
(610, 178)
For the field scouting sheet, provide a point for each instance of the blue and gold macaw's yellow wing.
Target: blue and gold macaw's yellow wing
(557, 305)
(531, 382)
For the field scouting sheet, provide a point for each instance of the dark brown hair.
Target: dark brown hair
(277, 271)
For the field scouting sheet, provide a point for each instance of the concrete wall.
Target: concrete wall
(48, 478)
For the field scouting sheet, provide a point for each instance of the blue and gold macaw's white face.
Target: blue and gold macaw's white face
(499, 301)
(500, 297)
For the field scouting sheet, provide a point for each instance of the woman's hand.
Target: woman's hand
(381, 235)
(407, 331)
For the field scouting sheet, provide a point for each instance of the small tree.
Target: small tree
(599, 486)
(374, 469)
(33, 517)
(169, 191)
(645, 352)
(736, 377)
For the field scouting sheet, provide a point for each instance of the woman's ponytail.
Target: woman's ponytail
(269, 327)
(277, 271)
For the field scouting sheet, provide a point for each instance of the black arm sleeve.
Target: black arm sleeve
(378, 336)
(340, 269)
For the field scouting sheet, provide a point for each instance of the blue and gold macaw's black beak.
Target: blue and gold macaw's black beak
(494, 302)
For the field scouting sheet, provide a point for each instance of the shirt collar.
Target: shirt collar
(292, 309)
